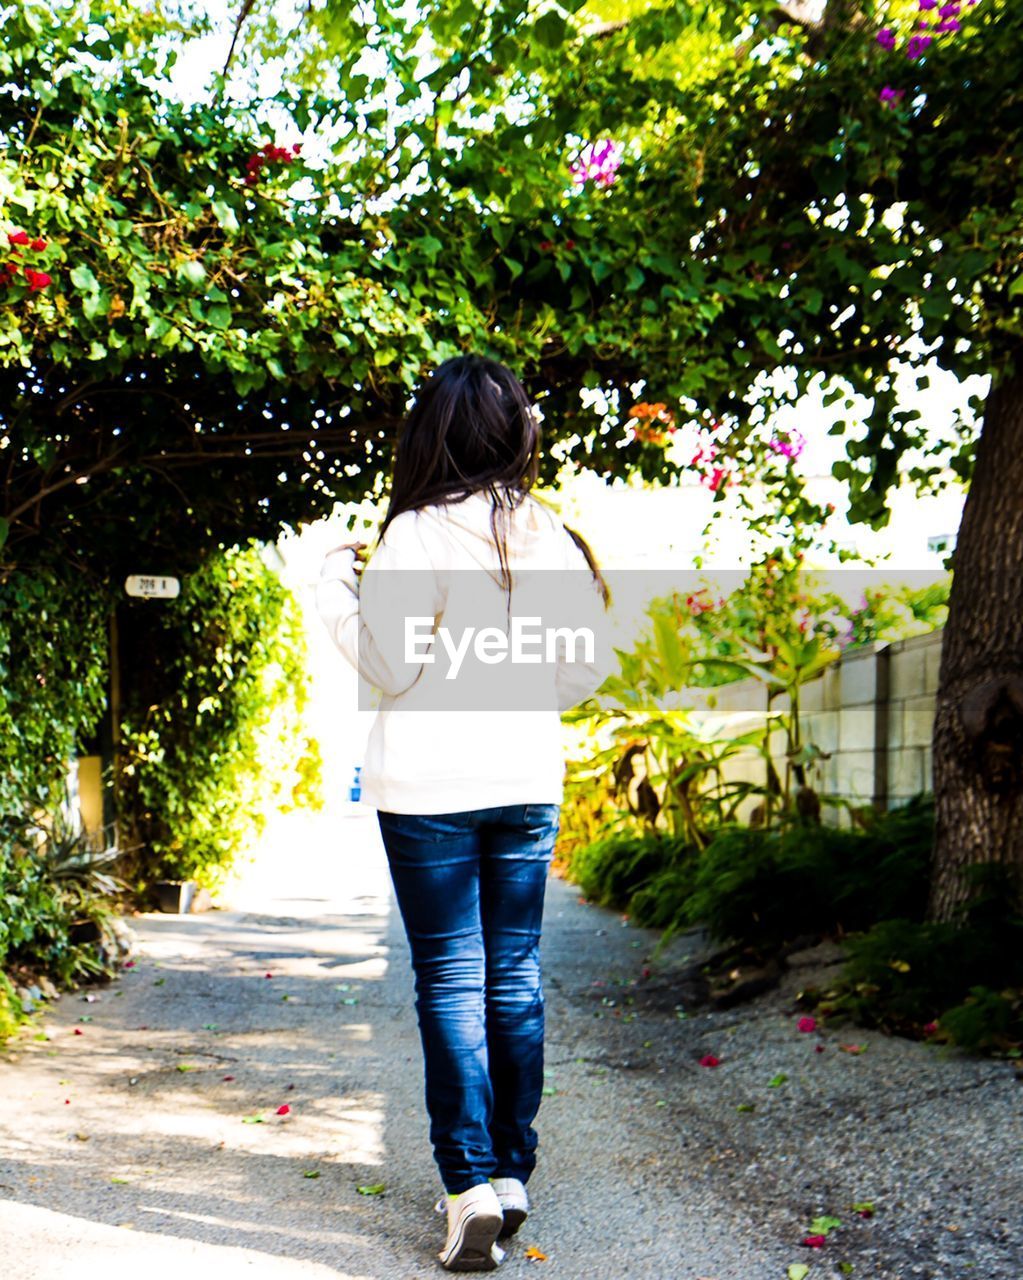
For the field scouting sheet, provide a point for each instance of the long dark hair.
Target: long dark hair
(472, 429)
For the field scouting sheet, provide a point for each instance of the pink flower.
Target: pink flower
(807, 1025)
(284, 1110)
(599, 162)
(708, 1060)
(790, 445)
(930, 1029)
(129, 964)
(814, 1242)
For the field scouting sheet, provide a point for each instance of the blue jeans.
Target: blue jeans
(470, 888)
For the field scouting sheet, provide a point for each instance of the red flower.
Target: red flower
(818, 1048)
(865, 1213)
(814, 1242)
(807, 1025)
(37, 280)
(708, 1060)
(129, 964)
(18, 237)
(546, 246)
(930, 1029)
(228, 1078)
(38, 245)
(267, 975)
(284, 1110)
(569, 244)
(78, 1031)
(646, 972)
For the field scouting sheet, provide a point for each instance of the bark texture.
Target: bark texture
(978, 731)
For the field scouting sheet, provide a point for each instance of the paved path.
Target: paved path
(124, 1149)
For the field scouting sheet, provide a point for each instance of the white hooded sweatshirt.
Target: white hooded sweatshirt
(460, 726)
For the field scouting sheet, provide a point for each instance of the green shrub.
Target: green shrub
(767, 886)
(904, 974)
(215, 684)
(57, 894)
(53, 681)
(612, 871)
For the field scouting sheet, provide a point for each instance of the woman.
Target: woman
(464, 762)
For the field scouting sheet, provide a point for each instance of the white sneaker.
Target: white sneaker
(474, 1220)
(514, 1203)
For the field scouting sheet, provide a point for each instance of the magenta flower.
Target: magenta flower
(807, 1025)
(928, 4)
(599, 163)
(886, 38)
(950, 10)
(790, 445)
(917, 46)
(889, 96)
(949, 24)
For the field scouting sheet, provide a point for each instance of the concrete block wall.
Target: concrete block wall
(871, 714)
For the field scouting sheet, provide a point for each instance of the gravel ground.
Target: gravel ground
(124, 1147)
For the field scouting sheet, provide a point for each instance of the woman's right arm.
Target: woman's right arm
(366, 614)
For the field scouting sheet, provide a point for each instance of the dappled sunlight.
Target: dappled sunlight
(224, 1089)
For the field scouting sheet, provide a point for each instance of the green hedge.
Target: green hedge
(53, 681)
(214, 685)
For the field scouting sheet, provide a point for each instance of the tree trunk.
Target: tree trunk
(978, 730)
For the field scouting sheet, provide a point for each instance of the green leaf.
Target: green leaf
(798, 1271)
(225, 215)
(777, 1081)
(5, 529)
(82, 278)
(219, 316)
(374, 1189)
(550, 30)
(821, 1226)
(193, 271)
(310, 1173)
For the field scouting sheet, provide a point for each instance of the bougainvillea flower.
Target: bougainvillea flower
(917, 46)
(78, 1031)
(38, 245)
(814, 1242)
(950, 10)
(37, 280)
(807, 1025)
(708, 1060)
(928, 4)
(18, 237)
(889, 96)
(790, 445)
(598, 163)
(886, 38)
(949, 24)
(284, 1109)
(930, 1028)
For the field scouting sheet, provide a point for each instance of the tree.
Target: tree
(674, 201)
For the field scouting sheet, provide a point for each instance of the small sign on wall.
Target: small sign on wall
(152, 587)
